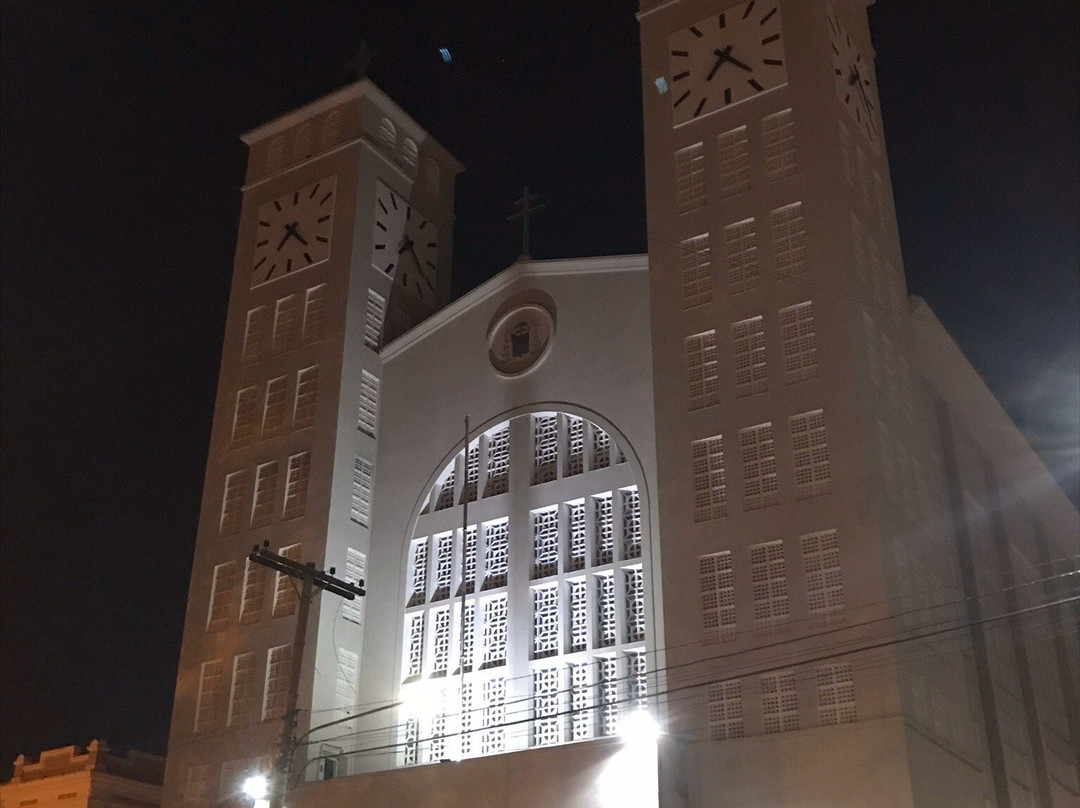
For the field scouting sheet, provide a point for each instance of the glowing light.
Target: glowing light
(424, 699)
(445, 54)
(661, 85)
(257, 787)
(639, 729)
(630, 777)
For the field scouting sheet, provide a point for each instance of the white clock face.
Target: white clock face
(726, 58)
(405, 244)
(853, 77)
(293, 231)
(519, 339)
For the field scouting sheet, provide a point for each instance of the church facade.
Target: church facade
(743, 484)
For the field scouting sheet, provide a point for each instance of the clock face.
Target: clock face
(853, 77)
(406, 245)
(293, 231)
(726, 58)
(519, 339)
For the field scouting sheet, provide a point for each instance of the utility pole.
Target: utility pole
(525, 203)
(311, 579)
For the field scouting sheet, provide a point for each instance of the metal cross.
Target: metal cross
(525, 203)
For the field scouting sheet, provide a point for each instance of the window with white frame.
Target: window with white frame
(496, 553)
(418, 572)
(701, 370)
(472, 473)
(630, 503)
(778, 135)
(546, 722)
(493, 739)
(545, 523)
(798, 342)
(710, 484)
(690, 178)
(345, 681)
(232, 502)
(835, 694)
(221, 596)
(373, 320)
(440, 641)
(717, 597)
(273, 420)
(600, 457)
(286, 595)
(242, 694)
(493, 632)
(296, 485)
(603, 528)
(725, 710)
(811, 454)
(445, 498)
(307, 393)
(748, 346)
(498, 471)
(779, 702)
(733, 151)
(314, 315)
(253, 598)
(604, 593)
(245, 416)
(696, 265)
(545, 448)
(545, 600)
(276, 691)
(262, 504)
(637, 679)
(582, 722)
(468, 636)
(768, 580)
(468, 562)
(758, 452)
(577, 592)
(284, 324)
(414, 648)
(740, 242)
(634, 604)
(607, 670)
(575, 446)
(363, 480)
(789, 240)
(355, 573)
(444, 565)
(578, 543)
(255, 333)
(208, 702)
(369, 403)
(824, 580)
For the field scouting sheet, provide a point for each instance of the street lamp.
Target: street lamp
(258, 788)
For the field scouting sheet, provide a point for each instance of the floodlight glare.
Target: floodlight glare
(639, 728)
(257, 787)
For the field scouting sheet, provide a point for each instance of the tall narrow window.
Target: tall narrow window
(701, 370)
(798, 345)
(789, 240)
(545, 448)
(496, 553)
(631, 522)
(208, 703)
(472, 472)
(778, 134)
(242, 694)
(601, 448)
(418, 572)
(314, 315)
(262, 505)
(245, 415)
(285, 591)
(545, 542)
(493, 740)
(355, 573)
(836, 694)
(768, 578)
(232, 502)
(575, 445)
(494, 632)
(345, 675)
(634, 600)
(468, 562)
(696, 266)
(414, 650)
(276, 692)
(759, 466)
(740, 243)
(468, 635)
(545, 621)
(273, 420)
(444, 565)
(607, 681)
(582, 724)
(363, 478)
(637, 682)
(811, 453)
(725, 710)
(733, 149)
(575, 518)
(296, 485)
(603, 529)
(824, 581)
(717, 596)
(440, 641)
(710, 484)
(748, 345)
(498, 473)
(690, 178)
(446, 488)
(373, 320)
(284, 324)
(221, 596)
(579, 617)
(605, 609)
(307, 392)
(253, 598)
(546, 724)
(369, 403)
(258, 320)
(779, 702)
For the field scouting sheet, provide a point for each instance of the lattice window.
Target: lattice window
(493, 740)
(607, 675)
(411, 750)
(545, 448)
(296, 485)
(273, 420)
(545, 621)
(605, 609)
(262, 505)
(696, 265)
(545, 542)
(631, 522)
(748, 344)
(369, 403)
(710, 484)
(759, 466)
(798, 342)
(637, 681)
(440, 645)
(255, 328)
(811, 454)
(740, 242)
(284, 324)
(603, 529)
(575, 445)
(836, 694)
(779, 702)
(345, 680)
(444, 565)
(363, 480)
(768, 578)
(634, 593)
(197, 788)
(285, 594)
(468, 639)
(579, 614)
(314, 315)
(437, 745)
(690, 177)
(472, 473)
(701, 370)
(232, 502)
(601, 448)
(208, 703)
(221, 596)
(253, 598)
(734, 153)
(789, 240)
(575, 519)
(717, 597)
(468, 561)
(725, 710)
(546, 723)
(498, 473)
(414, 649)
(307, 392)
(373, 320)
(418, 572)
(778, 133)
(355, 573)
(494, 632)
(245, 416)
(468, 719)
(276, 691)
(445, 498)
(581, 703)
(496, 553)
(824, 581)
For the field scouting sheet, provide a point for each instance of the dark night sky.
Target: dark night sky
(121, 173)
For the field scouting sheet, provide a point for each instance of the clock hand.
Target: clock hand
(288, 232)
(721, 57)
(299, 238)
(737, 63)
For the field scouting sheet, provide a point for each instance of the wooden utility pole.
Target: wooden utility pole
(311, 580)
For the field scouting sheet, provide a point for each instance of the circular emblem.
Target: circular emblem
(519, 339)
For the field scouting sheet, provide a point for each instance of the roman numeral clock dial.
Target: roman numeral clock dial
(853, 77)
(727, 58)
(405, 244)
(293, 231)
